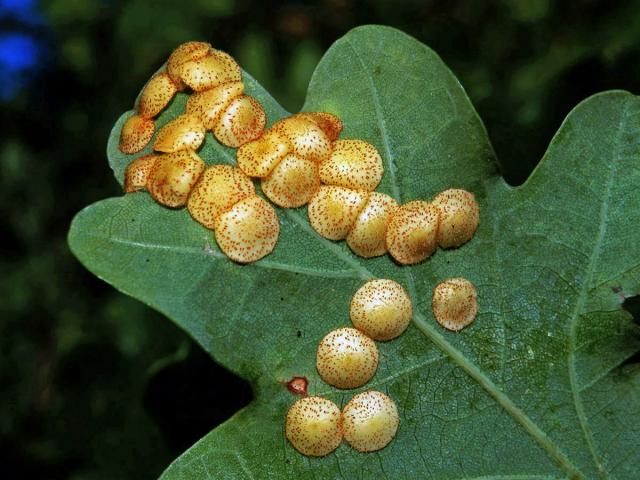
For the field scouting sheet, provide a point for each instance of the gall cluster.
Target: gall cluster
(220, 197)
(217, 103)
(348, 358)
(315, 426)
(299, 160)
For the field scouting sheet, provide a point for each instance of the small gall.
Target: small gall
(209, 105)
(242, 121)
(459, 217)
(412, 231)
(313, 426)
(156, 95)
(292, 182)
(455, 303)
(137, 173)
(259, 157)
(367, 236)
(370, 421)
(330, 124)
(210, 71)
(333, 210)
(248, 231)
(173, 177)
(183, 132)
(184, 53)
(135, 134)
(220, 187)
(381, 309)
(307, 139)
(353, 164)
(347, 358)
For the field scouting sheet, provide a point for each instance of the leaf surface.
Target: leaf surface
(534, 389)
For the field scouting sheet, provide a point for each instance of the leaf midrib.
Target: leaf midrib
(207, 251)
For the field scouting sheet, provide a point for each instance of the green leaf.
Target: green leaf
(534, 389)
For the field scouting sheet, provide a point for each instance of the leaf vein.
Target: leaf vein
(209, 251)
(391, 167)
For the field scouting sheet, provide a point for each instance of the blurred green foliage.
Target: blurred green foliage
(86, 374)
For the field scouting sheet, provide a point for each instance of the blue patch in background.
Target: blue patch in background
(19, 55)
(23, 11)
(21, 50)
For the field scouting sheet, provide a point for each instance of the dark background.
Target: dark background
(93, 385)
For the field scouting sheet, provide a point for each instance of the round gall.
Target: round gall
(137, 173)
(459, 217)
(135, 134)
(346, 358)
(381, 309)
(173, 176)
(370, 421)
(313, 426)
(455, 303)
(412, 231)
(367, 235)
(248, 231)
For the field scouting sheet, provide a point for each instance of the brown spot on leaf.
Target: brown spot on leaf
(298, 385)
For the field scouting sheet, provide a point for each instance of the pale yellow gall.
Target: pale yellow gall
(292, 182)
(412, 232)
(353, 164)
(156, 95)
(259, 157)
(210, 71)
(381, 309)
(137, 173)
(459, 217)
(329, 123)
(248, 231)
(307, 139)
(455, 303)
(173, 177)
(135, 134)
(333, 210)
(220, 187)
(370, 421)
(313, 426)
(242, 121)
(183, 132)
(347, 358)
(367, 237)
(209, 105)
(186, 52)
